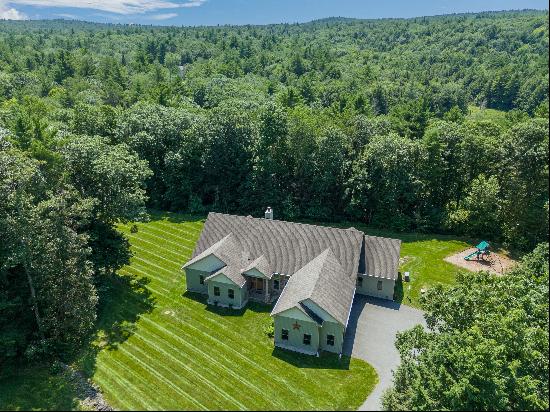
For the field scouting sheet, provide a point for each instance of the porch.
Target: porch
(264, 290)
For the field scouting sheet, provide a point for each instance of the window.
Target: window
(201, 279)
(276, 284)
(307, 339)
(284, 334)
(330, 340)
(216, 291)
(379, 285)
(359, 283)
(230, 293)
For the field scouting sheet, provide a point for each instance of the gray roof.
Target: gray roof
(227, 249)
(287, 246)
(380, 257)
(262, 265)
(233, 272)
(324, 282)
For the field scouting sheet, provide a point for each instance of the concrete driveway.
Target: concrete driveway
(371, 332)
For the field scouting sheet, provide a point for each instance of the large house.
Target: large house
(311, 273)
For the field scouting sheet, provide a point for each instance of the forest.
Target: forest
(435, 124)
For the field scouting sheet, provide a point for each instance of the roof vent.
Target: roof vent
(269, 213)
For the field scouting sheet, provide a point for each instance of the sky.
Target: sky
(214, 12)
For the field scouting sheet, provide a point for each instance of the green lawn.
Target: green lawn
(36, 389)
(159, 349)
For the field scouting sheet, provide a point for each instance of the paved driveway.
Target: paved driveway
(371, 334)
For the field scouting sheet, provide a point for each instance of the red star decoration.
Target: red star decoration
(296, 326)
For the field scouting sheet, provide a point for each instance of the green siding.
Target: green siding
(239, 300)
(296, 336)
(370, 287)
(192, 278)
(335, 329)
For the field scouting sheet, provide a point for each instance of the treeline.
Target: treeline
(58, 242)
(429, 124)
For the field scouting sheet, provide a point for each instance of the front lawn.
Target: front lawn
(158, 348)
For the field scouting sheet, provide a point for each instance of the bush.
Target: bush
(269, 328)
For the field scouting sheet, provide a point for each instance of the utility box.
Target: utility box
(407, 277)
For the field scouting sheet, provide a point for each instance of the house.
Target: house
(311, 273)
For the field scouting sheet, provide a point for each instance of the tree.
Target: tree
(479, 213)
(525, 184)
(111, 174)
(385, 185)
(44, 262)
(481, 351)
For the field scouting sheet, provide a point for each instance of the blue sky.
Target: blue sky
(212, 12)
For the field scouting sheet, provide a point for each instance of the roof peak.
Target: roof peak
(288, 222)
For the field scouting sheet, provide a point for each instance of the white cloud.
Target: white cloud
(9, 13)
(113, 6)
(164, 16)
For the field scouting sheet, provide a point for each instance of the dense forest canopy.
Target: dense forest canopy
(427, 124)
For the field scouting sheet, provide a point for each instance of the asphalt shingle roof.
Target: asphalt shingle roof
(380, 257)
(287, 246)
(323, 261)
(324, 282)
(262, 265)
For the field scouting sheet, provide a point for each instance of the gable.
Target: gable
(209, 264)
(255, 273)
(295, 313)
(221, 278)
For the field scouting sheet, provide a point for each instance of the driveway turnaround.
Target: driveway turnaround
(370, 336)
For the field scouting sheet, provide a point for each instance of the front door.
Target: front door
(257, 284)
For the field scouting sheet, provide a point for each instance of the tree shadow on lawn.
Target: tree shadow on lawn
(173, 217)
(325, 360)
(123, 299)
(35, 388)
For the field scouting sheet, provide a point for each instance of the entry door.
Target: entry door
(258, 283)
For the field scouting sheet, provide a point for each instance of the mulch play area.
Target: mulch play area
(494, 263)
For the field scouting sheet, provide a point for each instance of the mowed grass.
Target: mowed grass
(158, 348)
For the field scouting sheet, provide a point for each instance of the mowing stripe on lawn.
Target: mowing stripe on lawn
(230, 350)
(150, 233)
(127, 383)
(140, 241)
(160, 377)
(127, 272)
(193, 225)
(171, 349)
(107, 382)
(175, 237)
(148, 252)
(149, 263)
(204, 354)
(179, 242)
(179, 229)
(215, 340)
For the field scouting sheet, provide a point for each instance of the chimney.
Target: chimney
(269, 213)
